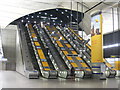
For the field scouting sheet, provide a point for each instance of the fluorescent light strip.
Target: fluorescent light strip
(110, 46)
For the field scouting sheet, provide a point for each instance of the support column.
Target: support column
(97, 45)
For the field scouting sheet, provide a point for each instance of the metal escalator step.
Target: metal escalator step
(68, 45)
(65, 52)
(83, 64)
(41, 54)
(69, 58)
(45, 64)
(37, 43)
(33, 35)
(65, 41)
(62, 48)
(38, 47)
(95, 66)
(74, 65)
(71, 49)
(43, 60)
(35, 39)
(88, 69)
(74, 52)
(59, 44)
(47, 69)
(78, 58)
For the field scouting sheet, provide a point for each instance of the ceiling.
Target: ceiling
(58, 16)
(11, 10)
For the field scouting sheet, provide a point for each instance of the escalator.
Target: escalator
(24, 62)
(58, 62)
(76, 45)
(47, 70)
(110, 72)
(68, 53)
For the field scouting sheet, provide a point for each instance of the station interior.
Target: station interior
(59, 44)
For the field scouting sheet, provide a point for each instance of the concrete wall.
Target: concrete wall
(86, 23)
(9, 46)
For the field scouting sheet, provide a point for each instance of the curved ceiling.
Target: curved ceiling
(11, 10)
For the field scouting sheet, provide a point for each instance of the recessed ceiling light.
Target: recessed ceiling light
(39, 12)
(62, 12)
(66, 10)
(51, 15)
(56, 9)
(28, 21)
(61, 21)
(22, 20)
(48, 23)
(45, 13)
(27, 18)
(38, 16)
(32, 16)
(34, 21)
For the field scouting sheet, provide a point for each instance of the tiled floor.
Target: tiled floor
(12, 79)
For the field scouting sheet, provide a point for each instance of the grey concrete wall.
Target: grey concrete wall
(86, 23)
(9, 46)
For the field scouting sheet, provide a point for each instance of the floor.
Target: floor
(12, 79)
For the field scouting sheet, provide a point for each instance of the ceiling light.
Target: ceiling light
(22, 20)
(66, 10)
(28, 21)
(39, 12)
(56, 9)
(34, 21)
(67, 16)
(62, 12)
(45, 13)
(32, 16)
(51, 15)
(48, 23)
(61, 21)
(110, 46)
(38, 16)
(27, 18)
